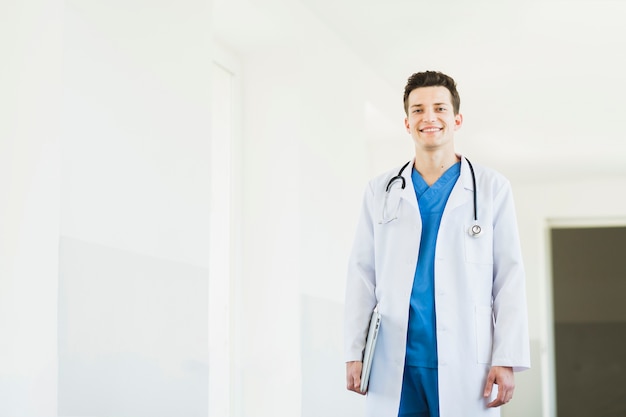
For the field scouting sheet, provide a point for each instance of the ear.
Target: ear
(458, 121)
(406, 124)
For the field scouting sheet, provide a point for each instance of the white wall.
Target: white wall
(133, 325)
(104, 146)
(30, 74)
(136, 114)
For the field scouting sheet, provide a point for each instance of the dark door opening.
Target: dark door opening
(589, 290)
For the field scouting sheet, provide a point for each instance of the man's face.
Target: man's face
(431, 120)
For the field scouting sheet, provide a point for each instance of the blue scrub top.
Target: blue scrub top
(421, 347)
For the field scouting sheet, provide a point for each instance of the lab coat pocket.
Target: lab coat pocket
(483, 319)
(479, 249)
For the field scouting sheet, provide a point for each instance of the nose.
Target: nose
(429, 115)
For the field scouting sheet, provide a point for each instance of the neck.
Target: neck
(432, 165)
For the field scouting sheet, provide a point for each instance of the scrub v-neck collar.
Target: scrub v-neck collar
(422, 189)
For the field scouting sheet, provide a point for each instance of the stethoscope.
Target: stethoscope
(475, 230)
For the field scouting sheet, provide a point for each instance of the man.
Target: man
(437, 252)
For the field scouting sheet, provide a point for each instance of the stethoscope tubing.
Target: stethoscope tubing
(474, 230)
(398, 177)
(474, 184)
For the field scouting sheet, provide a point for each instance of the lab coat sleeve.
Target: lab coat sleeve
(510, 337)
(361, 282)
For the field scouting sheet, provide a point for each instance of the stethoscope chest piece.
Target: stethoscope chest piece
(475, 230)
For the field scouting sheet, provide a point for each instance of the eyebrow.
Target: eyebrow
(434, 104)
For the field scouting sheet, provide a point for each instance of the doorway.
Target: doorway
(589, 298)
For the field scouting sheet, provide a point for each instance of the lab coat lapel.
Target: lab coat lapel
(462, 192)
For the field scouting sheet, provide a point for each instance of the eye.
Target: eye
(417, 111)
(441, 109)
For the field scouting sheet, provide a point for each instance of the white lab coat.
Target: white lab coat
(480, 300)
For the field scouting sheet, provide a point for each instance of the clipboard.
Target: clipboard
(370, 346)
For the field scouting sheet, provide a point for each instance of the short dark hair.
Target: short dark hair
(432, 79)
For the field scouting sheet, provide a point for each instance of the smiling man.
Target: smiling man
(437, 253)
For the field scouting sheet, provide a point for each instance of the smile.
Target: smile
(430, 129)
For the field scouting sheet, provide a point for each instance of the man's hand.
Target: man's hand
(502, 376)
(353, 376)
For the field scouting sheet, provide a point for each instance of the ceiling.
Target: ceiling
(541, 81)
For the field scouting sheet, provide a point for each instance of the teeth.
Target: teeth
(432, 129)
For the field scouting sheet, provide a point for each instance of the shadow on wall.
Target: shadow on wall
(133, 334)
(129, 384)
